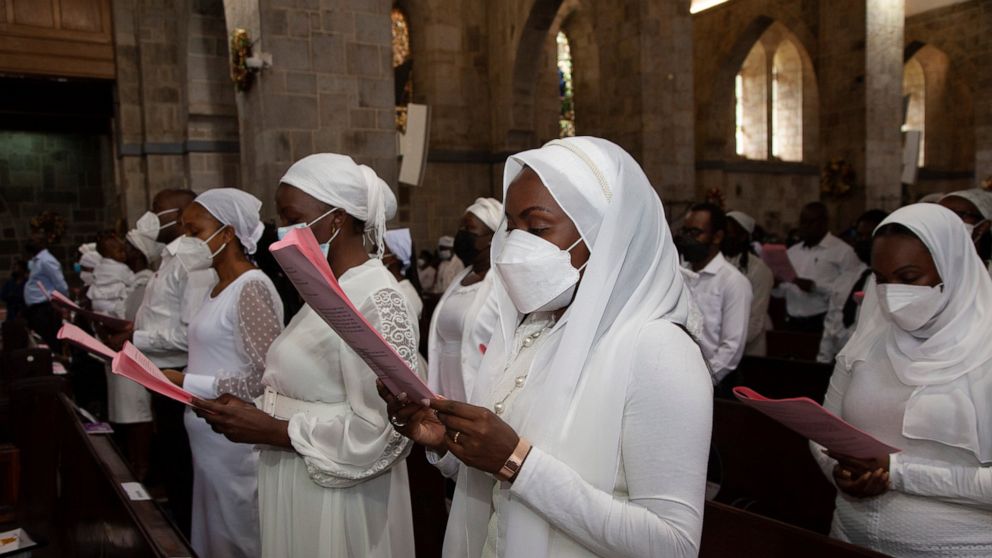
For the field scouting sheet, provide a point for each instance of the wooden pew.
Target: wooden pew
(768, 469)
(728, 531)
(95, 515)
(779, 378)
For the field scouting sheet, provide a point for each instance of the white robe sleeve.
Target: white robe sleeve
(949, 482)
(360, 444)
(259, 322)
(665, 447)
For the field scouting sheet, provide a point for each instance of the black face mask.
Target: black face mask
(465, 247)
(691, 249)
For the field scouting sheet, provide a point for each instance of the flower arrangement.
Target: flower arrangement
(241, 74)
(838, 178)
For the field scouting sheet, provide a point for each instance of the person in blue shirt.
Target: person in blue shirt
(46, 271)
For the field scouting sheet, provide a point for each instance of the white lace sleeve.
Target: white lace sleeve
(259, 323)
(360, 444)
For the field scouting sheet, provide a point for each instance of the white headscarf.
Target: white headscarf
(743, 219)
(571, 409)
(237, 209)
(446, 242)
(950, 359)
(981, 199)
(339, 182)
(90, 259)
(401, 245)
(147, 246)
(488, 210)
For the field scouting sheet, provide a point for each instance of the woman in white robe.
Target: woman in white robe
(332, 477)
(593, 404)
(465, 316)
(228, 339)
(917, 375)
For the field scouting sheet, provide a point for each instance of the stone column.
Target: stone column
(860, 78)
(667, 148)
(330, 87)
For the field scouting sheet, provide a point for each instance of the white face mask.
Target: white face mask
(87, 277)
(971, 229)
(444, 253)
(149, 224)
(910, 307)
(281, 232)
(538, 275)
(195, 254)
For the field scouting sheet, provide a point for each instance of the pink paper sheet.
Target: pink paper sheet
(300, 257)
(134, 365)
(62, 301)
(86, 341)
(777, 258)
(809, 419)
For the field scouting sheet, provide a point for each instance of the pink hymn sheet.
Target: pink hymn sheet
(300, 257)
(777, 258)
(134, 365)
(76, 336)
(809, 419)
(62, 301)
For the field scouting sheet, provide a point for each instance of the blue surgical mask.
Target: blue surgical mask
(281, 232)
(77, 268)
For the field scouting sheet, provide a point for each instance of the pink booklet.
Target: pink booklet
(300, 257)
(810, 419)
(777, 258)
(134, 365)
(62, 301)
(87, 342)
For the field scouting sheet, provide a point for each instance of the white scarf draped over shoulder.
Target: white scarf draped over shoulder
(571, 409)
(948, 360)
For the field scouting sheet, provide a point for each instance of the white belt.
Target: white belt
(282, 407)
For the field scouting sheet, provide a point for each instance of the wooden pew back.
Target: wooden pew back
(728, 531)
(768, 469)
(97, 516)
(779, 378)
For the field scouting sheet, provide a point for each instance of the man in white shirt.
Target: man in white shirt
(739, 253)
(722, 292)
(842, 312)
(171, 299)
(820, 260)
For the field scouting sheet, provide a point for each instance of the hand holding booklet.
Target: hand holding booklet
(60, 300)
(85, 341)
(808, 418)
(776, 256)
(300, 257)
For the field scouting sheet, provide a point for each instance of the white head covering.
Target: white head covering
(90, 259)
(488, 210)
(950, 359)
(446, 242)
(237, 209)
(400, 244)
(86, 248)
(147, 246)
(571, 409)
(339, 182)
(981, 199)
(743, 219)
(932, 198)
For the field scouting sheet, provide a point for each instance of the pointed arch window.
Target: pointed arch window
(566, 120)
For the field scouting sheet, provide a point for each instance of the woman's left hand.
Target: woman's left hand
(174, 376)
(240, 421)
(476, 436)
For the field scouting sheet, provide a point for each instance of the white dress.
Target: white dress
(228, 339)
(940, 500)
(129, 402)
(344, 491)
(665, 444)
(461, 328)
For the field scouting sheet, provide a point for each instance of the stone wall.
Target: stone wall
(71, 174)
